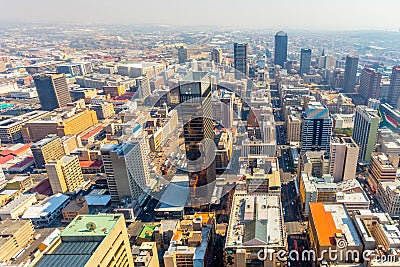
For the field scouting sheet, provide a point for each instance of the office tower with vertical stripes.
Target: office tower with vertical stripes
(394, 87)
(52, 90)
(370, 84)
(316, 129)
(366, 123)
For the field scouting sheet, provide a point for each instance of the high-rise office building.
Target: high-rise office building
(52, 90)
(350, 74)
(196, 113)
(370, 83)
(216, 55)
(394, 87)
(240, 60)
(126, 170)
(305, 61)
(89, 240)
(343, 158)
(281, 43)
(316, 128)
(366, 123)
(49, 148)
(183, 54)
(65, 174)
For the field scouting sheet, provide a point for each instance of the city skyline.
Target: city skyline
(344, 15)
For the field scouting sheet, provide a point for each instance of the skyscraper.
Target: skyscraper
(305, 61)
(65, 174)
(89, 240)
(240, 60)
(370, 83)
(216, 55)
(365, 131)
(343, 158)
(183, 54)
(126, 169)
(281, 43)
(196, 113)
(350, 74)
(52, 90)
(394, 87)
(316, 128)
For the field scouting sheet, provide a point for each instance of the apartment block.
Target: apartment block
(65, 174)
(49, 148)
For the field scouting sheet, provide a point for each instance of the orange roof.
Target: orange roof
(22, 149)
(90, 163)
(324, 224)
(177, 235)
(205, 216)
(92, 132)
(6, 159)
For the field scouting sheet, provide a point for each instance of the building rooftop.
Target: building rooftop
(16, 202)
(9, 227)
(255, 221)
(147, 231)
(324, 223)
(176, 194)
(101, 225)
(47, 206)
(44, 141)
(70, 254)
(344, 223)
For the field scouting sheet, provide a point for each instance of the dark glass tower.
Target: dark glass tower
(281, 43)
(198, 130)
(240, 60)
(52, 90)
(350, 74)
(305, 61)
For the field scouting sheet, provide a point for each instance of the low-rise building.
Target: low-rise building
(331, 228)
(104, 110)
(46, 211)
(66, 121)
(313, 189)
(145, 255)
(14, 236)
(74, 208)
(192, 243)
(17, 206)
(343, 121)
(255, 223)
(10, 129)
(259, 174)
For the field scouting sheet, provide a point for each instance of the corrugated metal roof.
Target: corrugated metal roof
(54, 260)
(69, 254)
(68, 248)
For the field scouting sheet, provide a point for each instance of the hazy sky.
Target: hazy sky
(292, 14)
